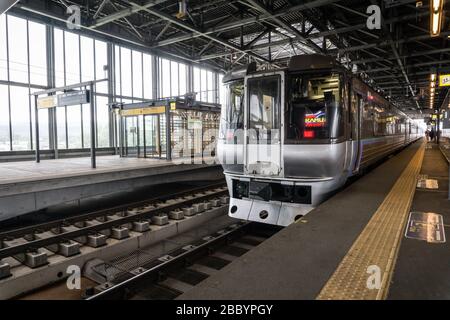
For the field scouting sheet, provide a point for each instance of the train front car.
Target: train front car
(283, 144)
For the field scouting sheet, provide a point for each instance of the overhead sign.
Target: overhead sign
(444, 80)
(143, 111)
(426, 226)
(73, 98)
(46, 102)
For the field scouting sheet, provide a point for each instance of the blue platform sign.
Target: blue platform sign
(426, 226)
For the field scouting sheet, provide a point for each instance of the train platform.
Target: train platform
(29, 186)
(382, 237)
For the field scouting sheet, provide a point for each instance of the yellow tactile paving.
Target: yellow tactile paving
(377, 245)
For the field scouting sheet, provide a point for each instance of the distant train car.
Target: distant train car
(290, 138)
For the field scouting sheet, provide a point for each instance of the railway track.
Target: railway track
(31, 246)
(178, 271)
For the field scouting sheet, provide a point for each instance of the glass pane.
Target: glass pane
(72, 58)
(102, 122)
(183, 79)
(174, 78)
(61, 127)
(44, 143)
(38, 53)
(222, 95)
(165, 74)
(101, 62)
(197, 82)
(210, 87)
(203, 87)
(264, 108)
(137, 74)
(87, 57)
(131, 135)
(117, 67)
(126, 72)
(18, 57)
(314, 111)
(4, 119)
(3, 51)
(20, 118)
(59, 57)
(86, 108)
(148, 77)
(74, 126)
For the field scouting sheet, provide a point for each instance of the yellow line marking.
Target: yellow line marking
(378, 243)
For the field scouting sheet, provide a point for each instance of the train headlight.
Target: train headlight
(240, 189)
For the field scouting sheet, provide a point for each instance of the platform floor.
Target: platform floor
(14, 172)
(26, 187)
(423, 269)
(317, 257)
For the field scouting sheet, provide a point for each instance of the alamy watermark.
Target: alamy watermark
(74, 20)
(374, 20)
(374, 280)
(74, 280)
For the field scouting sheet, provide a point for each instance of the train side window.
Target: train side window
(367, 120)
(353, 111)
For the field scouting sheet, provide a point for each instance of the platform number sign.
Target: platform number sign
(426, 226)
(444, 80)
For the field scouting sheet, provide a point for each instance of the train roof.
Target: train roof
(297, 63)
(312, 62)
(240, 72)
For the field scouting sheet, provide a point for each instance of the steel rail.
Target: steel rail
(70, 235)
(15, 233)
(120, 290)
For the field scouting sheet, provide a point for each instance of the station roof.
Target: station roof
(397, 59)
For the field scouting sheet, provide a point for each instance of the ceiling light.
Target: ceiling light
(436, 17)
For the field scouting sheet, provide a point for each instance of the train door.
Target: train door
(263, 124)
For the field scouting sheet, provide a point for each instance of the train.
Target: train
(290, 138)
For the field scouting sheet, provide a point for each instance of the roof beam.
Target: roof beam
(301, 37)
(247, 21)
(124, 13)
(180, 23)
(5, 5)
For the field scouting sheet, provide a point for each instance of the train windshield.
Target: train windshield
(264, 109)
(313, 110)
(233, 112)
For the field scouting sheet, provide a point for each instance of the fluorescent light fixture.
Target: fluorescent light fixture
(436, 17)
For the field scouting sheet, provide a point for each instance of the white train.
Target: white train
(290, 138)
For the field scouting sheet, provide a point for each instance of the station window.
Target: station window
(18, 49)
(3, 49)
(147, 76)
(38, 53)
(20, 118)
(4, 119)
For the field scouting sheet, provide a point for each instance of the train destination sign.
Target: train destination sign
(444, 80)
(426, 226)
(316, 120)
